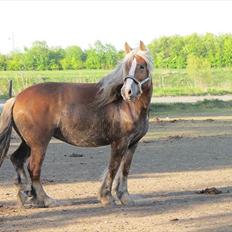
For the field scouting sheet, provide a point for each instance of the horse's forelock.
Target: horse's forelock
(147, 57)
(110, 82)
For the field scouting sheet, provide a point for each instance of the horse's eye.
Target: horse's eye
(142, 67)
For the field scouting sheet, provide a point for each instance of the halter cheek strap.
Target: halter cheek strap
(145, 80)
(139, 83)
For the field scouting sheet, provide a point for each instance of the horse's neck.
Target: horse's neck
(143, 104)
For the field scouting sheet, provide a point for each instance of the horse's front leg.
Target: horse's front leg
(118, 149)
(120, 182)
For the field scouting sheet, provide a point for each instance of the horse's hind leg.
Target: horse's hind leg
(117, 151)
(40, 198)
(18, 158)
(120, 181)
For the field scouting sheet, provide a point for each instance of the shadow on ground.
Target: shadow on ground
(150, 204)
(154, 159)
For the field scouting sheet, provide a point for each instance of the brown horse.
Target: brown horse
(113, 111)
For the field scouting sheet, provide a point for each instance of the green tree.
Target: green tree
(92, 59)
(15, 61)
(3, 62)
(227, 51)
(120, 55)
(55, 57)
(37, 57)
(73, 58)
(101, 56)
(111, 56)
(173, 51)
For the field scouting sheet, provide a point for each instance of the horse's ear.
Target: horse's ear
(142, 47)
(128, 49)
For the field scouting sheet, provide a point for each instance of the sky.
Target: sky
(65, 23)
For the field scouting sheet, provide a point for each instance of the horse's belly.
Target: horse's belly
(86, 138)
(88, 142)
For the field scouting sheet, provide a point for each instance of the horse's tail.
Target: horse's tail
(6, 122)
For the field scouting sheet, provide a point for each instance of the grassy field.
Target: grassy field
(23, 79)
(166, 82)
(211, 108)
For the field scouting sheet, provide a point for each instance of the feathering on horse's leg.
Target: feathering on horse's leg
(40, 198)
(120, 182)
(117, 151)
(18, 158)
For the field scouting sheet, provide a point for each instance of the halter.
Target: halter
(131, 76)
(139, 83)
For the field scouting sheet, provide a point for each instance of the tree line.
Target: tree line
(176, 52)
(41, 57)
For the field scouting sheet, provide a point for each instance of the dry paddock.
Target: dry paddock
(172, 164)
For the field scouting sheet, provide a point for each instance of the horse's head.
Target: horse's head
(138, 72)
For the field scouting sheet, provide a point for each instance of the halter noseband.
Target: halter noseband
(139, 83)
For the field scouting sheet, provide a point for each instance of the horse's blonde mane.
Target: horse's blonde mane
(108, 85)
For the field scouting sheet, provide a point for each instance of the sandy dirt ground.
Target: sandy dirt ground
(172, 164)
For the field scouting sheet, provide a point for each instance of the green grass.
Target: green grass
(23, 79)
(179, 83)
(166, 82)
(202, 108)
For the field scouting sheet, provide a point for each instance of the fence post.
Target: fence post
(10, 89)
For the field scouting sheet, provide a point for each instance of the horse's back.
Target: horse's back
(54, 91)
(38, 109)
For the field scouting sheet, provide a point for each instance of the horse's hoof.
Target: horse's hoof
(49, 202)
(25, 197)
(22, 198)
(126, 199)
(35, 203)
(107, 201)
(45, 203)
